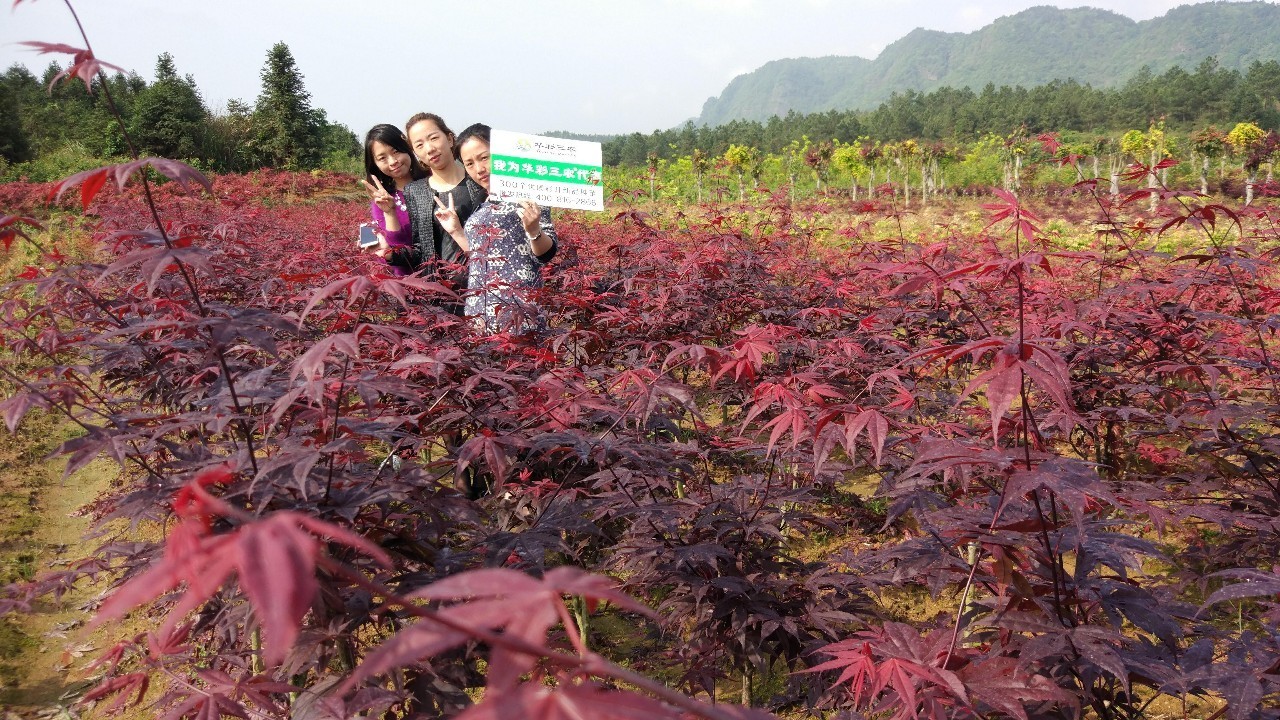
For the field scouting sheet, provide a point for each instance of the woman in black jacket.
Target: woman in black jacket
(447, 183)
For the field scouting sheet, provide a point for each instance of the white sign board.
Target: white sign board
(550, 171)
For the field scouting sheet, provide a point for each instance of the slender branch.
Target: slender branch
(219, 352)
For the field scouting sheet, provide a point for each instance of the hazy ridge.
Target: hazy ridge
(1033, 47)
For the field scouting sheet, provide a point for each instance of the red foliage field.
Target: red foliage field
(1075, 449)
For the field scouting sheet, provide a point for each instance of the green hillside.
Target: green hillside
(1033, 47)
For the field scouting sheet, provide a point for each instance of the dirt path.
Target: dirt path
(39, 528)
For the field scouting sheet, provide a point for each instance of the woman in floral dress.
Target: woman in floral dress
(507, 244)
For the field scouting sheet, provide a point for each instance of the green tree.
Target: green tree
(62, 115)
(1207, 144)
(793, 155)
(339, 147)
(1244, 140)
(285, 130)
(701, 164)
(849, 158)
(818, 157)
(169, 118)
(1149, 149)
(14, 146)
(1211, 89)
(652, 160)
(1258, 94)
(228, 136)
(906, 155)
(739, 158)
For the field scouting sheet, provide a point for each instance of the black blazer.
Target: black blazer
(427, 243)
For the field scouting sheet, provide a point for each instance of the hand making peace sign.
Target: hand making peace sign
(378, 194)
(447, 216)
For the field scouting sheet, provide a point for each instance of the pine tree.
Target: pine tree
(14, 146)
(286, 133)
(66, 114)
(169, 117)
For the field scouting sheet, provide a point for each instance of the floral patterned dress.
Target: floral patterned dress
(502, 269)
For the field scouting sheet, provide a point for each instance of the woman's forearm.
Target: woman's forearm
(541, 244)
(395, 233)
(460, 236)
(544, 243)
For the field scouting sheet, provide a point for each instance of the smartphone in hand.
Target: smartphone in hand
(368, 237)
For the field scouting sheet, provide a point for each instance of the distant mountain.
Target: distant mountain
(1033, 47)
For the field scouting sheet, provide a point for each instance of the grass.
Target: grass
(39, 527)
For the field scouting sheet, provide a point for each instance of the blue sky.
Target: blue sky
(605, 66)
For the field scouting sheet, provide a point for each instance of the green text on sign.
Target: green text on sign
(517, 167)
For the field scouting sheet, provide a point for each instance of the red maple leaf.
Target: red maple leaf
(83, 64)
(521, 606)
(275, 558)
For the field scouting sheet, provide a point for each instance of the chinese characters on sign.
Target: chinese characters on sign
(550, 171)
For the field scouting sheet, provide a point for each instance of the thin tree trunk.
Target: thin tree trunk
(1152, 184)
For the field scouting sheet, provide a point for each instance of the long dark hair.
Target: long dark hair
(392, 137)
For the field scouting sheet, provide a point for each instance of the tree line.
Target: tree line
(69, 126)
(1185, 100)
(1230, 161)
(51, 129)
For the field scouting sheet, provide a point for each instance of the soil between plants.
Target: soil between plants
(39, 528)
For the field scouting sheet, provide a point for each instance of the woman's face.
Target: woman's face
(390, 160)
(432, 145)
(474, 154)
